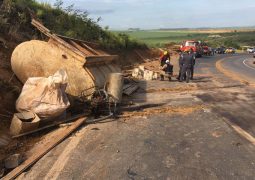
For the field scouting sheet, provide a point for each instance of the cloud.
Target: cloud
(152, 14)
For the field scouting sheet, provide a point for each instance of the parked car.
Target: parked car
(220, 50)
(251, 49)
(230, 51)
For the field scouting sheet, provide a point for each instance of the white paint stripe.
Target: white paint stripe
(241, 132)
(64, 157)
(244, 62)
(244, 134)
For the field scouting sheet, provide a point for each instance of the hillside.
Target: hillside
(15, 23)
(15, 16)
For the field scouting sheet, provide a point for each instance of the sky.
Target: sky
(155, 14)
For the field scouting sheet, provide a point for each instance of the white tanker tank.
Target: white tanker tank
(86, 68)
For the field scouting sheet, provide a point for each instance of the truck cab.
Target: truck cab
(194, 45)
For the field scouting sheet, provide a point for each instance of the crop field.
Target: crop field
(157, 38)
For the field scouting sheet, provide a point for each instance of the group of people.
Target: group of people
(187, 61)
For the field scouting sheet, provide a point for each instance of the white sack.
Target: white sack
(44, 96)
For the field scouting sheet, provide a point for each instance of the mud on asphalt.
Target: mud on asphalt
(162, 134)
(166, 130)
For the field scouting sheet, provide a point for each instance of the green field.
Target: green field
(159, 38)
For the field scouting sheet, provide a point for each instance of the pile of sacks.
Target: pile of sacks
(142, 73)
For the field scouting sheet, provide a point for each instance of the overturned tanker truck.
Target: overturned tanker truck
(87, 68)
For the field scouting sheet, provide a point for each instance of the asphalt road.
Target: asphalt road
(188, 134)
(236, 100)
(242, 66)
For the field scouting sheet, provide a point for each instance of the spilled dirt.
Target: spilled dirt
(174, 89)
(170, 110)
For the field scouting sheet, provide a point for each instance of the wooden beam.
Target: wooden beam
(82, 41)
(47, 147)
(93, 60)
(85, 51)
(90, 49)
(55, 38)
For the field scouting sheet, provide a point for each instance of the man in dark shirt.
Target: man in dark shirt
(193, 64)
(180, 66)
(186, 63)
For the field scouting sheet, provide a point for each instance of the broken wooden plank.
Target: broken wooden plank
(130, 90)
(78, 40)
(82, 49)
(55, 38)
(92, 60)
(126, 86)
(38, 155)
(51, 125)
(90, 49)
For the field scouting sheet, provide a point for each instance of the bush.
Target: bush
(231, 43)
(65, 21)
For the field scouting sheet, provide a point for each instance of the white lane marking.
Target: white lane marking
(62, 160)
(244, 62)
(241, 131)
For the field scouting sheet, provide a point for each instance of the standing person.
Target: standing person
(187, 63)
(180, 65)
(193, 64)
(165, 65)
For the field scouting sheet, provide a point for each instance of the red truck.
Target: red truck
(194, 45)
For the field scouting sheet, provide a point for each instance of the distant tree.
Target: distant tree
(231, 43)
(106, 28)
(58, 4)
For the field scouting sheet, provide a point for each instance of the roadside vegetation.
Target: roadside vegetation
(15, 18)
(158, 38)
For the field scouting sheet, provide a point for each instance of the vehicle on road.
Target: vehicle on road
(208, 51)
(194, 45)
(220, 50)
(211, 50)
(254, 55)
(230, 51)
(251, 49)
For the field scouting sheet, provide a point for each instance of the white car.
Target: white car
(251, 50)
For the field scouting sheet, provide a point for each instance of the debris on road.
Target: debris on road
(51, 125)
(115, 86)
(165, 109)
(13, 161)
(142, 73)
(174, 89)
(24, 122)
(47, 147)
(129, 89)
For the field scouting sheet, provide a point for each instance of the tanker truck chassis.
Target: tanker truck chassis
(86, 67)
